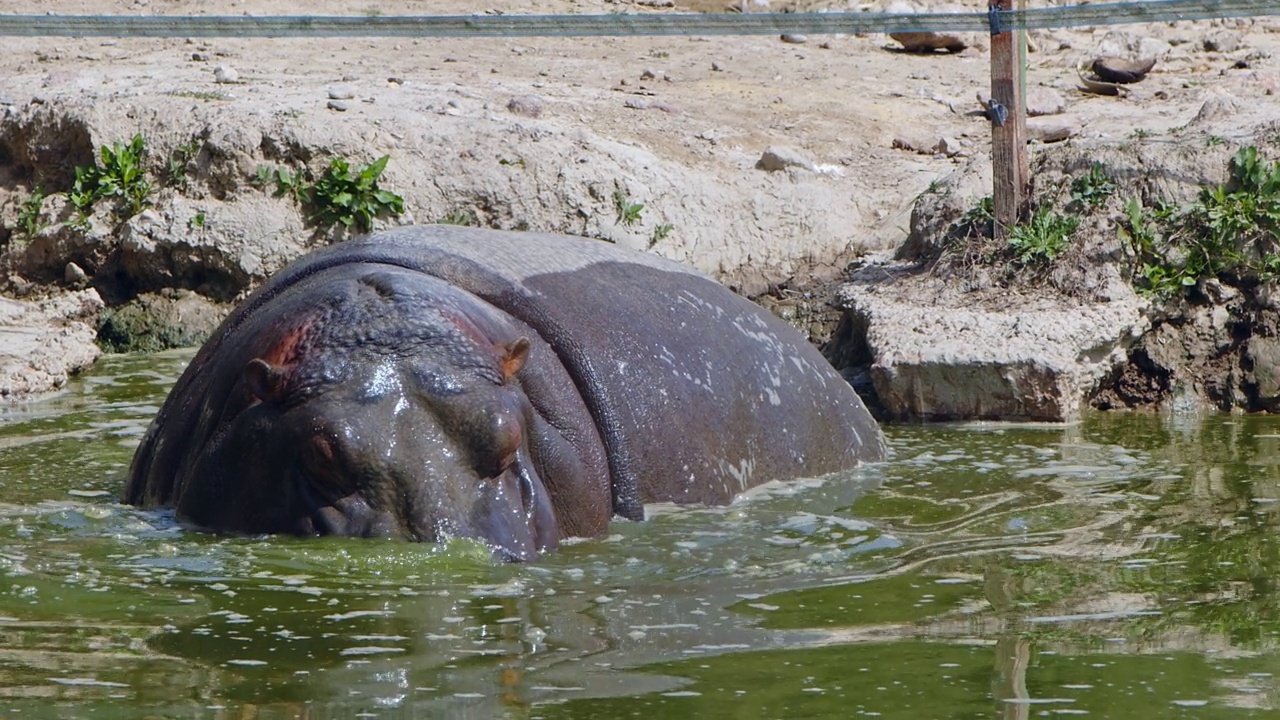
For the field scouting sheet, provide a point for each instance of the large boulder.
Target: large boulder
(42, 343)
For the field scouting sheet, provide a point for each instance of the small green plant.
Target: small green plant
(296, 185)
(341, 195)
(29, 212)
(1142, 133)
(460, 216)
(660, 233)
(119, 177)
(179, 162)
(1231, 228)
(1215, 140)
(197, 221)
(518, 162)
(353, 198)
(979, 220)
(1092, 189)
(1043, 238)
(628, 211)
(659, 54)
(200, 94)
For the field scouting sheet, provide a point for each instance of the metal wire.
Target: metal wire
(622, 24)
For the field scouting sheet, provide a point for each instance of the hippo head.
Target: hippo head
(393, 409)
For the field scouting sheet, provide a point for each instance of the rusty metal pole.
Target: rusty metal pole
(1011, 174)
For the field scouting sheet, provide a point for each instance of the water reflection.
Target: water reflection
(1122, 567)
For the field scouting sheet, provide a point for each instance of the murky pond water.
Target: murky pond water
(1124, 567)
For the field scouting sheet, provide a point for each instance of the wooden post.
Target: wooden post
(1011, 175)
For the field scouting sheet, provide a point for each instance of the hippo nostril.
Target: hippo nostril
(328, 520)
(318, 517)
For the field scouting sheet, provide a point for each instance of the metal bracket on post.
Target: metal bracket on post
(998, 114)
(993, 19)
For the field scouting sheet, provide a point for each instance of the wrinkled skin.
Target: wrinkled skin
(449, 382)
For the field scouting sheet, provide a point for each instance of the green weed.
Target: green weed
(461, 216)
(660, 233)
(342, 195)
(1043, 238)
(350, 198)
(120, 177)
(201, 94)
(29, 212)
(179, 162)
(628, 211)
(1091, 190)
(1231, 228)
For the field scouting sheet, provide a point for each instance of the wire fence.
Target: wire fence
(626, 24)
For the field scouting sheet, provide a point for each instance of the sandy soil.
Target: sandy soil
(840, 100)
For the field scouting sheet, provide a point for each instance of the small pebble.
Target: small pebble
(527, 105)
(794, 39)
(338, 105)
(341, 92)
(223, 74)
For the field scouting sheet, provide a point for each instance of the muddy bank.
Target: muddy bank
(1160, 289)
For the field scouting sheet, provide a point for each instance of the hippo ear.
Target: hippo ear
(265, 380)
(514, 356)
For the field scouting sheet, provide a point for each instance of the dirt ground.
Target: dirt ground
(841, 101)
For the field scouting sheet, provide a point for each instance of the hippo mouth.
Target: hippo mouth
(348, 516)
(513, 516)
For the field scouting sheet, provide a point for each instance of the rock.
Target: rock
(223, 74)
(951, 363)
(794, 38)
(934, 146)
(43, 343)
(75, 276)
(1222, 40)
(942, 204)
(338, 105)
(1217, 108)
(1263, 353)
(526, 105)
(716, 67)
(780, 157)
(927, 42)
(341, 92)
(1044, 101)
(152, 322)
(948, 146)
(1122, 70)
(1126, 44)
(1053, 129)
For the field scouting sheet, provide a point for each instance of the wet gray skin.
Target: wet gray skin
(517, 388)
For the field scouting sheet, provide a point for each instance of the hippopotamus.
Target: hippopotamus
(518, 388)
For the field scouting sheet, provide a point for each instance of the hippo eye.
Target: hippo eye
(323, 447)
(323, 460)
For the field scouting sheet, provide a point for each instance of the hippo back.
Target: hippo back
(697, 393)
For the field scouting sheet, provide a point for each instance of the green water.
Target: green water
(1123, 567)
